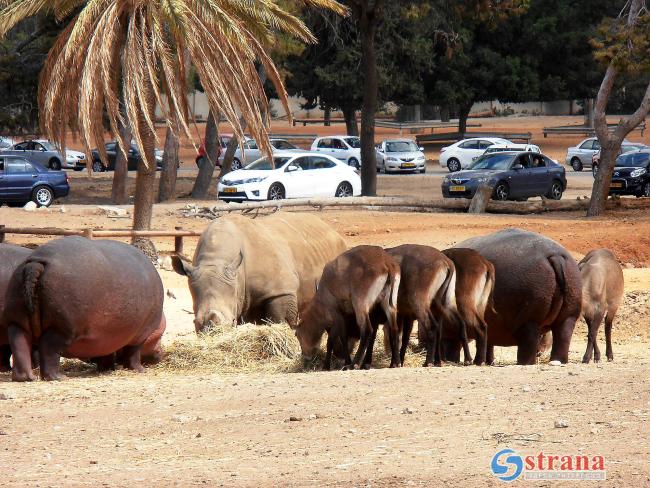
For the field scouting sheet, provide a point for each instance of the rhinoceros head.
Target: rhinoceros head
(215, 288)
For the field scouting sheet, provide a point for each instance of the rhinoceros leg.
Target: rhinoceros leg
(50, 346)
(5, 356)
(129, 357)
(21, 348)
(283, 309)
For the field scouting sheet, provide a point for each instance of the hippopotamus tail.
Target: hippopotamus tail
(558, 263)
(31, 275)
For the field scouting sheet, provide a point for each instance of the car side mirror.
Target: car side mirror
(421, 148)
(517, 167)
(291, 168)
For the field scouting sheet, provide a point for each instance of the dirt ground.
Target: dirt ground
(379, 428)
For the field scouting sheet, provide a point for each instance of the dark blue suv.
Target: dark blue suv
(22, 181)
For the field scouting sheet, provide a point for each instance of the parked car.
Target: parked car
(252, 152)
(460, 154)
(224, 139)
(5, 143)
(22, 181)
(44, 153)
(343, 148)
(625, 148)
(398, 155)
(632, 174)
(293, 175)
(133, 158)
(580, 157)
(513, 175)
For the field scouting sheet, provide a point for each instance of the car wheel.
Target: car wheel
(344, 190)
(555, 193)
(276, 192)
(423, 170)
(576, 164)
(594, 170)
(501, 191)
(42, 196)
(453, 165)
(55, 164)
(98, 166)
(354, 162)
(236, 164)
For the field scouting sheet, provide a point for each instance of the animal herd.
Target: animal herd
(101, 301)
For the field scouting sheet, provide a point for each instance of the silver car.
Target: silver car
(252, 152)
(579, 157)
(44, 153)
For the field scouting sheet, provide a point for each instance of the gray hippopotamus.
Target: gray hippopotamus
(79, 298)
(537, 288)
(10, 258)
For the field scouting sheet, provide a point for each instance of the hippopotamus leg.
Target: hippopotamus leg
(562, 340)
(489, 355)
(130, 358)
(283, 309)
(527, 344)
(5, 356)
(105, 363)
(21, 348)
(50, 346)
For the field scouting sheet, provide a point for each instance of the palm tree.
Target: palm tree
(140, 46)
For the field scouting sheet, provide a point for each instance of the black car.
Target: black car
(632, 174)
(22, 181)
(112, 149)
(513, 175)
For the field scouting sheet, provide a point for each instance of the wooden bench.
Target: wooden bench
(457, 136)
(583, 129)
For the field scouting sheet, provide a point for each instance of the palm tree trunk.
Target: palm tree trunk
(167, 188)
(119, 195)
(206, 168)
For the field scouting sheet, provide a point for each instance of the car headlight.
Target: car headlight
(638, 172)
(253, 180)
(391, 159)
(420, 158)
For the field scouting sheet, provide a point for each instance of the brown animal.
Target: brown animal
(474, 285)
(602, 294)
(79, 298)
(361, 282)
(253, 270)
(426, 294)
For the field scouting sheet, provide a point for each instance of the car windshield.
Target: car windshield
(495, 161)
(401, 146)
(630, 160)
(353, 142)
(265, 164)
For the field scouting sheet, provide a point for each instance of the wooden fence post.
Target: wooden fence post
(178, 242)
(2, 234)
(88, 234)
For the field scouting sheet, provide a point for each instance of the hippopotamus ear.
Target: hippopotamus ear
(182, 266)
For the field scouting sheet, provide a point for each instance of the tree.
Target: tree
(170, 162)
(142, 45)
(207, 164)
(624, 47)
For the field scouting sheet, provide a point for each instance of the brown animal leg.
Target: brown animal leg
(328, 356)
(481, 344)
(367, 361)
(609, 321)
(407, 327)
(365, 327)
(592, 338)
(489, 355)
(130, 358)
(562, 340)
(105, 363)
(467, 355)
(50, 346)
(451, 350)
(21, 348)
(5, 356)
(528, 339)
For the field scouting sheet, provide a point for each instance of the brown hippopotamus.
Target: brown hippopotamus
(537, 288)
(10, 258)
(79, 298)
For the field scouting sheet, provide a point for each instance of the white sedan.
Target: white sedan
(460, 154)
(292, 175)
(343, 148)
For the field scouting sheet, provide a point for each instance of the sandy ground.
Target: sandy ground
(406, 427)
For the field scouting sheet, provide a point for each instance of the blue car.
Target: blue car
(512, 175)
(22, 181)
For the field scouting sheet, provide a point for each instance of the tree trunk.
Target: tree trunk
(119, 194)
(463, 115)
(600, 189)
(368, 20)
(327, 117)
(167, 188)
(207, 164)
(145, 184)
(351, 126)
(444, 114)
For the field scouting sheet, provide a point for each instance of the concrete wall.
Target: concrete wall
(558, 107)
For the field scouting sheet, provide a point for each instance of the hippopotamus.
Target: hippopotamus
(537, 288)
(256, 270)
(10, 258)
(81, 298)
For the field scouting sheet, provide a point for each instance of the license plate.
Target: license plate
(456, 188)
(408, 165)
(616, 185)
(230, 190)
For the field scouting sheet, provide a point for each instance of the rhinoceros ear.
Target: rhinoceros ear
(236, 263)
(182, 266)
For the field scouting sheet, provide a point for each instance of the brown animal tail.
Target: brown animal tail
(393, 279)
(490, 280)
(32, 272)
